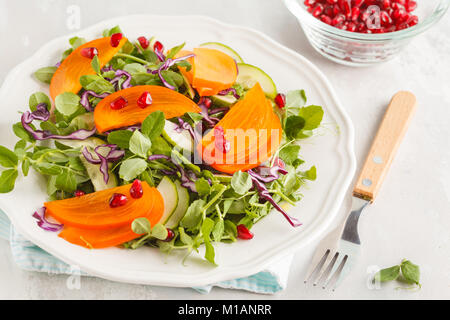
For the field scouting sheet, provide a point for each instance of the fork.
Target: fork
(338, 251)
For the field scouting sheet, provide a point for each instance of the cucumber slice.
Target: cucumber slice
(169, 193)
(183, 204)
(223, 101)
(182, 139)
(92, 169)
(224, 48)
(249, 75)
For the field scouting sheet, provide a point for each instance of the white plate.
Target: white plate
(331, 152)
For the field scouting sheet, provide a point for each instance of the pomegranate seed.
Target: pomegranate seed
(144, 100)
(402, 2)
(338, 20)
(328, 11)
(347, 8)
(143, 41)
(243, 232)
(332, 1)
(358, 3)
(158, 46)
(118, 103)
(385, 18)
(365, 15)
(115, 39)
(118, 200)
(413, 20)
(170, 235)
(79, 193)
(325, 19)
(361, 27)
(355, 13)
(411, 6)
(310, 9)
(318, 9)
(397, 6)
(309, 3)
(280, 100)
(136, 190)
(89, 52)
(351, 27)
(386, 4)
(206, 101)
(336, 10)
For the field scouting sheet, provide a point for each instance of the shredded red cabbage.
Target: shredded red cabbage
(187, 178)
(204, 111)
(166, 65)
(195, 133)
(43, 223)
(85, 99)
(227, 91)
(112, 156)
(42, 114)
(119, 74)
(218, 110)
(131, 128)
(107, 68)
(266, 174)
(264, 194)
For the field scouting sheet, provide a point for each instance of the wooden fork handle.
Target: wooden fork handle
(387, 140)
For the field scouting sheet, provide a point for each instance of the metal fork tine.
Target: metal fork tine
(327, 271)
(318, 267)
(332, 280)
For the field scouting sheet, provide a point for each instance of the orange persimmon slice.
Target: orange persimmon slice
(253, 132)
(103, 238)
(92, 211)
(171, 103)
(212, 71)
(67, 76)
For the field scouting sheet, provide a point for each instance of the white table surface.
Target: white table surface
(411, 217)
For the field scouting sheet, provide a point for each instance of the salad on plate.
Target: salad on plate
(144, 146)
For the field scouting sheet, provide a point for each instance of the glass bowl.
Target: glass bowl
(362, 49)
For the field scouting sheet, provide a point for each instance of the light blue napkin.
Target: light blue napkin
(30, 257)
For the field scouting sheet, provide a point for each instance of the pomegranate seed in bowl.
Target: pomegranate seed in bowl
(393, 15)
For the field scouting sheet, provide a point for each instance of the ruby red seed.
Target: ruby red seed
(243, 232)
(115, 39)
(158, 46)
(280, 100)
(352, 15)
(170, 235)
(144, 100)
(136, 190)
(89, 52)
(79, 193)
(118, 200)
(206, 101)
(118, 103)
(143, 41)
